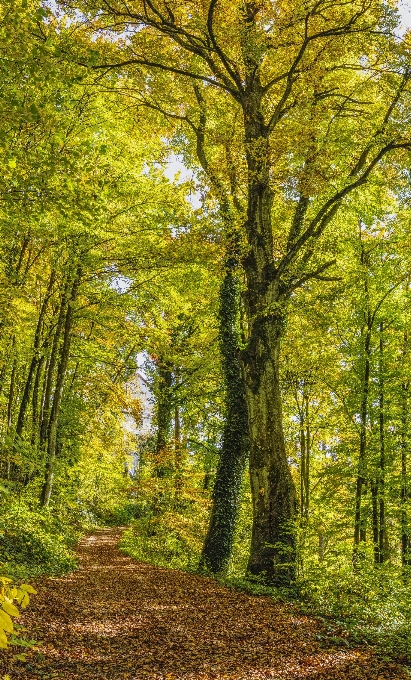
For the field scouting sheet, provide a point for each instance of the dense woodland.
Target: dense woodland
(205, 213)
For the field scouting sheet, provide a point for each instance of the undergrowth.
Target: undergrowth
(35, 542)
(369, 604)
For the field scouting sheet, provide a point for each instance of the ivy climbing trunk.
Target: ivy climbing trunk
(235, 446)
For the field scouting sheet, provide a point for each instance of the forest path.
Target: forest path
(119, 619)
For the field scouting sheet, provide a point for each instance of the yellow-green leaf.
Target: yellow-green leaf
(25, 600)
(5, 622)
(10, 609)
(28, 588)
(3, 640)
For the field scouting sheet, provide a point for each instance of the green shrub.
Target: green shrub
(167, 540)
(36, 541)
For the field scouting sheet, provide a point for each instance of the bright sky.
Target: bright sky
(405, 10)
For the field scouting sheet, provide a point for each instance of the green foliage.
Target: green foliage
(172, 539)
(12, 594)
(371, 603)
(38, 541)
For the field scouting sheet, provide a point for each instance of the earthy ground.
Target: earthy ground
(116, 618)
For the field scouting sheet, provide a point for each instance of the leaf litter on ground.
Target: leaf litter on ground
(119, 619)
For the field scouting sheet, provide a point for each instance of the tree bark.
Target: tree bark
(178, 457)
(51, 364)
(405, 530)
(219, 540)
(382, 536)
(58, 393)
(305, 452)
(35, 401)
(10, 403)
(218, 543)
(164, 412)
(36, 358)
(359, 521)
(273, 493)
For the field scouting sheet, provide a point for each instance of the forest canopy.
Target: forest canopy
(205, 294)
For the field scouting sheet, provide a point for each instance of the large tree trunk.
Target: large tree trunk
(273, 493)
(227, 487)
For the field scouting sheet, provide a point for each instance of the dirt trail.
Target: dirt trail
(116, 618)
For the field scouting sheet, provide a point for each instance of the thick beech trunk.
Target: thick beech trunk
(227, 487)
(273, 493)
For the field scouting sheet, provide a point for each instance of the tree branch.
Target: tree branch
(328, 210)
(315, 275)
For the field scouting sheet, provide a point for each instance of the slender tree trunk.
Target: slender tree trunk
(218, 543)
(58, 393)
(375, 521)
(51, 364)
(305, 452)
(35, 401)
(3, 373)
(308, 461)
(359, 520)
(36, 358)
(164, 412)
(178, 458)
(302, 470)
(405, 534)
(382, 538)
(10, 403)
